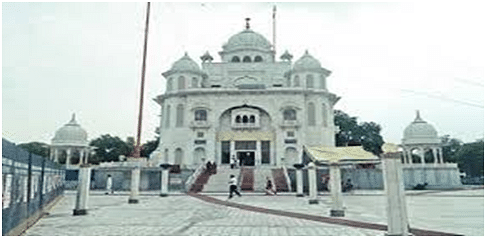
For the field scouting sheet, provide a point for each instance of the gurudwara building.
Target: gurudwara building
(250, 106)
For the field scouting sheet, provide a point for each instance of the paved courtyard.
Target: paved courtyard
(459, 212)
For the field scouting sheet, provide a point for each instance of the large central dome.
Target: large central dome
(71, 134)
(420, 132)
(247, 39)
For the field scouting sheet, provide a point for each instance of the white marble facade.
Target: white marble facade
(250, 106)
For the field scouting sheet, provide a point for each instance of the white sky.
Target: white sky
(85, 58)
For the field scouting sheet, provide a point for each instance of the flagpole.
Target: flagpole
(137, 150)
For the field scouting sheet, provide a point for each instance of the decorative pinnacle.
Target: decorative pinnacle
(247, 23)
(417, 117)
(73, 119)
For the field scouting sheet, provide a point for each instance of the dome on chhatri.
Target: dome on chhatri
(420, 132)
(247, 39)
(185, 64)
(71, 134)
(307, 62)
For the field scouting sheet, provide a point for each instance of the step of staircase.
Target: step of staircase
(219, 182)
(261, 175)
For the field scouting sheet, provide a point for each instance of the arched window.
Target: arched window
(194, 83)
(181, 83)
(258, 58)
(252, 119)
(324, 115)
(238, 119)
(178, 156)
(296, 81)
(246, 59)
(180, 115)
(309, 81)
(245, 119)
(311, 114)
(290, 115)
(235, 59)
(168, 87)
(322, 82)
(200, 115)
(166, 156)
(167, 117)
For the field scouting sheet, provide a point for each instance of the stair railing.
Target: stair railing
(287, 178)
(193, 177)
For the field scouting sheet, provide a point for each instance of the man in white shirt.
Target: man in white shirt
(233, 187)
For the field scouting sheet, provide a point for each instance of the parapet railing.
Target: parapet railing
(193, 177)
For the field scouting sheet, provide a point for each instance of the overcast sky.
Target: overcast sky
(387, 60)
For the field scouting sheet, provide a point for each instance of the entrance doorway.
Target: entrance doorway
(246, 158)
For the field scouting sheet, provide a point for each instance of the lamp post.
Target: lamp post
(164, 180)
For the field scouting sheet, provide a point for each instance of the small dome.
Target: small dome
(307, 62)
(420, 132)
(185, 64)
(247, 39)
(71, 134)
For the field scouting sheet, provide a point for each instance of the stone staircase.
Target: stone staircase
(280, 180)
(247, 179)
(260, 178)
(219, 182)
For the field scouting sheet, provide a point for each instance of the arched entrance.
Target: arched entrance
(199, 156)
(291, 156)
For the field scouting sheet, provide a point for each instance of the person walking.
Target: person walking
(233, 187)
(109, 185)
(269, 188)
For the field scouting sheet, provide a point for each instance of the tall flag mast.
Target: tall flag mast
(274, 34)
(136, 153)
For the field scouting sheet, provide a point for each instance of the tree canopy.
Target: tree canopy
(470, 158)
(109, 148)
(37, 148)
(352, 133)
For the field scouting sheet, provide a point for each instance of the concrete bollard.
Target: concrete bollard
(312, 184)
(164, 183)
(337, 208)
(84, 179)
(135, 182)
(299, 179)
(395, 195)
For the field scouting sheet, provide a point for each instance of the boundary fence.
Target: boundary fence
(29, 183)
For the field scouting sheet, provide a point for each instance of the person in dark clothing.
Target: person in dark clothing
(269, 188)
(347, 186)
(208, 167)
(233, 187)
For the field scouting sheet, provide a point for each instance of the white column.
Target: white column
(56, 155)
(422, 156)
(134, 185)
(81, 157)
(86, 156)
(441, 157)
(233, 152)
(68, 158)
(258, 153)
(311, 172)
(337, 208)
(410, 157)
(300, 182)
(395, 194)
(51, 154)
(434, 151)
(83, 191)
(164, 182)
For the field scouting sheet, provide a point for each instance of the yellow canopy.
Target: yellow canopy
(350, 154)
(343, 155)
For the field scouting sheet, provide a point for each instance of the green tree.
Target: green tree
(37, 148)
(108, 148)
(470, 158)
(450, 146)
(366, 134)
(149, 147)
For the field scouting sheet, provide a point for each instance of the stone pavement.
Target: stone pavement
(460, 212)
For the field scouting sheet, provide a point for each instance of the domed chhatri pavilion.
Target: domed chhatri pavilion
(250, 106)
(418, 139)
(70, 144)
(422, 136)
